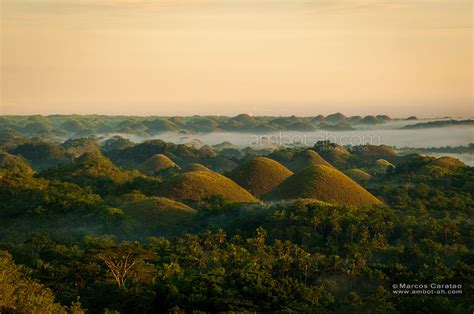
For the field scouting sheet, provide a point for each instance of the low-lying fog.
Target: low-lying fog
(418, 138)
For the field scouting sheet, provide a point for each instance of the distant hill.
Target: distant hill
(306, 159)
(461, 149)
(199, 184)
(84, 126)
(358, 175)
(370, 153)
(42, 155)
(336, 118)
(157, 163)
(333, 153)
(325, 184)
(442, 166)
(77, 146)
(439, 124)
(382, 165)
(259, 175)
(284, 155)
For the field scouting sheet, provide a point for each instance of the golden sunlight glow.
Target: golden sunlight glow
(269, 57)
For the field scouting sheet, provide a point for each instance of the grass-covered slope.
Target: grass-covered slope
(371, 153)
(358, 175)
(306, 159)
(333, 153)
(259, 175)
(326, 184)
(198, 184)
(382, 165)
(156, 163)
(195, 167)
(157, 214)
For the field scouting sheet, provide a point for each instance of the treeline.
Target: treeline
(80, 126)
(467, 149)
(438, 124)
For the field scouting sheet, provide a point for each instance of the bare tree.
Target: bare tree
(121, 260)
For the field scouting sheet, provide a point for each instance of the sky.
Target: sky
(263, 57)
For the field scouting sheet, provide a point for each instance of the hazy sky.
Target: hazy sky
(267, 57)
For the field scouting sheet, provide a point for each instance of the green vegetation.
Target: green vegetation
(157, 215)
(86, 231)
(382, 166)
(437, 124)
(259, 175)
(371, 153)
(14, 163)
(467, 149)
(20, 294)
(325, 184)
(93, 170)
(335, 154)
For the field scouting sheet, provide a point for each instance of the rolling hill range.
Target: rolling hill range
(259, 175)
(14, 163)
(325, 184)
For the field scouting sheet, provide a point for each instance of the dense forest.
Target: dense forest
(108, 226)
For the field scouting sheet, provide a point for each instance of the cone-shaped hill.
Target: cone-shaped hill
(259, 175)
(195, 167)
(325, 184)
(382, 165)
(443, 165)
(371, 153)
(157, 163)
(307, 159)
(333, 153)
(198, 184)
(358, 175)
(14, 163)
(158, 214)
(448, 162)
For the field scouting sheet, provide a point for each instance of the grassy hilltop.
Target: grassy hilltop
(325, 184)
(259, 175)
